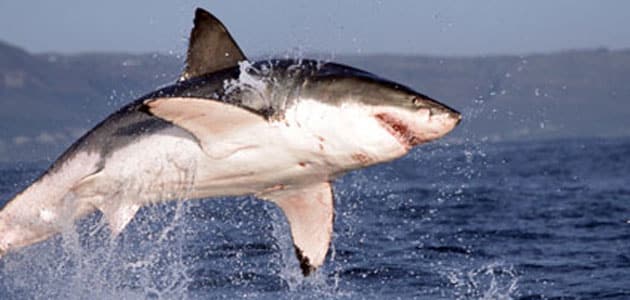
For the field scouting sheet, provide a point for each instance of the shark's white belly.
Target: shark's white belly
(260, 157)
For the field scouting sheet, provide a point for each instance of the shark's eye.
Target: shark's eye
(416, 101)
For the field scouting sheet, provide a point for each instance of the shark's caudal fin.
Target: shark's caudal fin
(211, 47)
(48, 204)
(310, 212)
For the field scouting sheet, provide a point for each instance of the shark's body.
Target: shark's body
(281, 130)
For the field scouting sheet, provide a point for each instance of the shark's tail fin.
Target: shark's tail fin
(46, 206)
(23, 223)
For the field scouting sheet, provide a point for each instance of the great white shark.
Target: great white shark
(280, 130)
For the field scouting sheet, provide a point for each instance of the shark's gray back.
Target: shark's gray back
(120, 129)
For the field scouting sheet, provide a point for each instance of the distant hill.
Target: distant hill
(48, 100)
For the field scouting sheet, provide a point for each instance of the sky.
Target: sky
(444, 27)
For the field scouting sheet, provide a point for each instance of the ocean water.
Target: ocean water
(522, 220)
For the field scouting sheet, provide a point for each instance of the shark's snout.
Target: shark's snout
(430, 121)
(450, 117)
(451, 114)
(440, 110)
(442, 118)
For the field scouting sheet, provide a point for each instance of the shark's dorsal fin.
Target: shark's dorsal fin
(310, 212)
(211, 47)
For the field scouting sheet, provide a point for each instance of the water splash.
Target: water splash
(299, 287)
(250, 78)
(84, 261)
(268, 87)
(289, 270)
(490, 281)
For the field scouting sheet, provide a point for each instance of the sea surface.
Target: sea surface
(510, 220)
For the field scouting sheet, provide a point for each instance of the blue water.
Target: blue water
(526, 220)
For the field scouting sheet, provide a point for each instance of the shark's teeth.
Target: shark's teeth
(399, 130)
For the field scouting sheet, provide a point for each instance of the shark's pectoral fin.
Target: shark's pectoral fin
(214, 124)
(310, 212)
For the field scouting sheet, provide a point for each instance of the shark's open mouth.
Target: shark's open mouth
(399, 130)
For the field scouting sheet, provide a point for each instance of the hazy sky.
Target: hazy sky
(444, 27)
